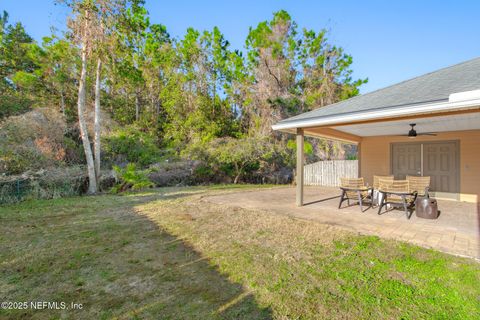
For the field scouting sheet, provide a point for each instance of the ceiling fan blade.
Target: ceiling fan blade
(418, 134)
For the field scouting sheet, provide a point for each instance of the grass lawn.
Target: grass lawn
(169, 254)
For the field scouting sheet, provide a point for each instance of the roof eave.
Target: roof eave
(379, 114)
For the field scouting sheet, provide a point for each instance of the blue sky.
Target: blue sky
(390, 41)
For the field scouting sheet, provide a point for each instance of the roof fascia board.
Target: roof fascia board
(378, 114)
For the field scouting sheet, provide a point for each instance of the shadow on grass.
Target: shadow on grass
(196, 288)
(118, 264)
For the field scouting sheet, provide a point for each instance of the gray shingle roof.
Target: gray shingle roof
(431, 87)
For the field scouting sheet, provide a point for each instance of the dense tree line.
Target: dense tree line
(195, 97)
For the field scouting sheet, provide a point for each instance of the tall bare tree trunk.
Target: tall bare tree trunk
(92, 185)
(152, 101)
(137, 107)
(214, 94)
(157, 108)
(96, 141)
(62, 101)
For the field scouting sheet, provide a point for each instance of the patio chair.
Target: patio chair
(356, 190)
(419, 184)
(376, 195)
(397, 193)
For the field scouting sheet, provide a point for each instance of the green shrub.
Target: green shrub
(20, 160)
(131, 178)
(55, 183)
(239, 159)
(13, 104)
(74, 153)
(132, 145)
(204, 173)
(307, 147)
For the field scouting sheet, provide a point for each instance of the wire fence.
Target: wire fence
(25, 189)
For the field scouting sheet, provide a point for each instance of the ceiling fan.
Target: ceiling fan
(413, 133)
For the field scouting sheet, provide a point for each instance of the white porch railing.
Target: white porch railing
(328, 173)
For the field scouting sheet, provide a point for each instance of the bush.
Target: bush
(174, 173)
(20, 159)
(74, 153)
(13, 104)
(247, 159)
(129, 144)
(33, 141)
(43, 184)
(131, 178)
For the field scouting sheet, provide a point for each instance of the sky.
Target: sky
(390, 41)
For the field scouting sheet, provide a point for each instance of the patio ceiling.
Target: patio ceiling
(459, 122)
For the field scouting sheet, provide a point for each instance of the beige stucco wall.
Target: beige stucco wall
(375, 158)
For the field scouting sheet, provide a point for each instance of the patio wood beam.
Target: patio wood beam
(300, 156)
(333, 134)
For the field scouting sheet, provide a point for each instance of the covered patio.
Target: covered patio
(427, 126)
(456, 231)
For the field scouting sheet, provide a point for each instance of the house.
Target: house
(428, 126)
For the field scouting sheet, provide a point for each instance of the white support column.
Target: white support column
(359, 159)
(300, 157)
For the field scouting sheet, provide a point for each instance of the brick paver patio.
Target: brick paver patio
(456, 231)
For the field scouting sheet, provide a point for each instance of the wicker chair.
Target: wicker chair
(397, 193)
(356, 190)
(376, 195)
(421, 185)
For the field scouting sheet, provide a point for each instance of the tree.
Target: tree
(239, 153)
(14, 51)
(58, 65)
(326, 72)
(15, 64)
(189, 91)
(53, 78)
(158, 48)
(97, 120)
(82, 27)
(195, 110)
(272, 47)
(132, 27)
(3, 23)
(92, 22)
